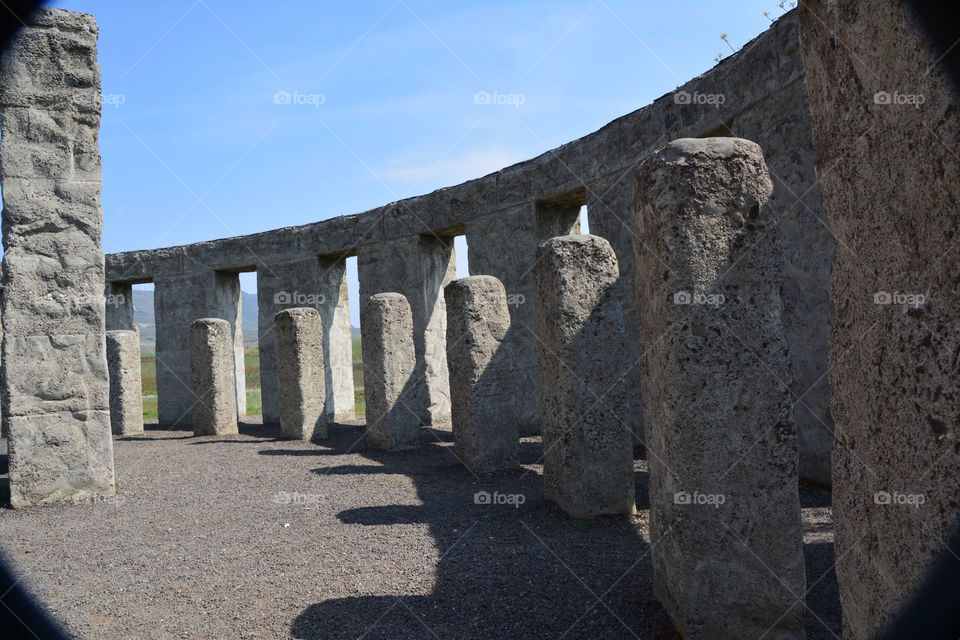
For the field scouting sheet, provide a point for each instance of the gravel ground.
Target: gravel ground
(252, 537)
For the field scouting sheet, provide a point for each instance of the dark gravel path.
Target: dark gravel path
(252, 537)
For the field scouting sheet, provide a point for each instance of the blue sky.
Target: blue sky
(197, 143)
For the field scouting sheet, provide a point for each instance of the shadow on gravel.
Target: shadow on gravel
(510, 564)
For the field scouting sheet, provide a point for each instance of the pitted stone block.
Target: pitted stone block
(300, 374)
(588, 450)
(214, 388)
(389, 373)
(722, 446)
(886, 144)
(485, 411)
(126, 392)
(56, 384)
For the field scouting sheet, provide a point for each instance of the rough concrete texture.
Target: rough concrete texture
(405, 246)
(337, 342)
(511, 257)
(306, 281)
(418, 267)
(887, 132)
(211, 364)
(588, 451)
(725, 513)
(119, 307)
(126, 386)
(389, 373)
(178, 302)
(55, 379)
(482, 373)
(300, 374)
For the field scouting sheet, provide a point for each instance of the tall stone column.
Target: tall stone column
(307, 282)
(56, 385)
(179, 300)
(300, 374)
(419, 267)
(610, 209)
(725, 514)
(211, 360)
(485, 409)
(119, 306)
(505, 246)
(340, 403)
(587, 450)
(389, 366)
(126, 383)
(887, 130)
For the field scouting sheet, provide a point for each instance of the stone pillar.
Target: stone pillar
(725, 513)
(337, 341)
(300, 374)
(588, 451)
(886, 129)
(177, 301)
(418, 267)
(610, 209)
(482, 371)
(228, 305)
(126, 392)
(307, 282)
(56, 384)
(119, 307)
(389, 372)
(504, 245)
(211, 360)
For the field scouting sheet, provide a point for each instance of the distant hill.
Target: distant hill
(143, 315)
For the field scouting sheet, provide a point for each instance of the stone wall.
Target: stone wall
(887, 133)
(55, 380)
(406, 246)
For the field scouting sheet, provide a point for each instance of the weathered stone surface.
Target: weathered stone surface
(211, 364)
(721, 441)
(300, 374)
(482, 369)
(126, 386)
(389, 372)
(505, 246)
(54, 368)
(887, 131)
(307, 282)
(119, 307)
(178, 302)
(417, 267)
(588, 451)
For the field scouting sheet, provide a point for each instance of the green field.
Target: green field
(252, 366)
